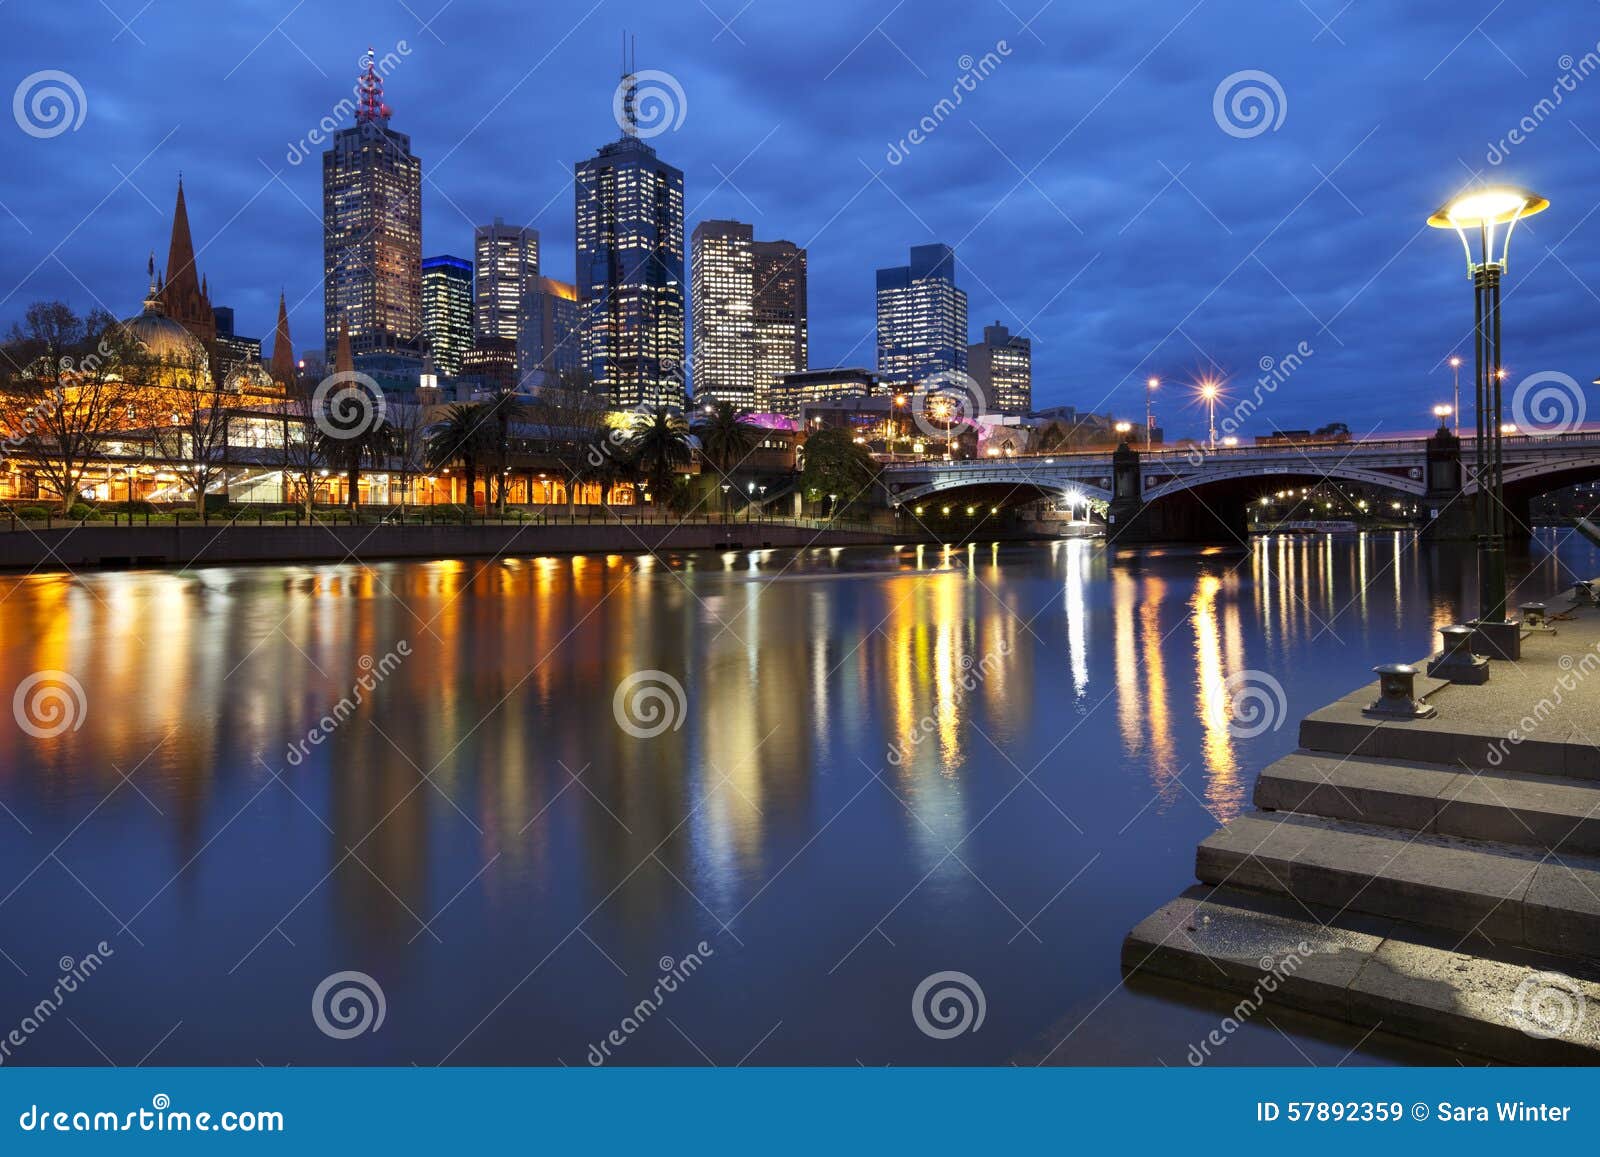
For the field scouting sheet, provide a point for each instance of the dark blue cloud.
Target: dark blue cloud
(1095, 202)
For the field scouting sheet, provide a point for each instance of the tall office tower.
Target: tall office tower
(548, 343)
(1002, 363)
(749, 314)
(722, 293)
(232, 350)
(629, 208)
(372, 231)
(507, 258)
(782, 322)
(922, 318)
(447, 310)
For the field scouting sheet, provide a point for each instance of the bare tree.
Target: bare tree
(407, 421)
(191, 422)
(65, 391)
(301, 447)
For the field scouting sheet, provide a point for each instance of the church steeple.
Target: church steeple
(282, 353)
(183, 296)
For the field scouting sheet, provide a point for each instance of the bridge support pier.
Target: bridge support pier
(1179, 517)
(1448, 515)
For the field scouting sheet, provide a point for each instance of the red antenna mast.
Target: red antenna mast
(372, 107)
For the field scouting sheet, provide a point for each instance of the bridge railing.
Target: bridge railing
(1161, 453)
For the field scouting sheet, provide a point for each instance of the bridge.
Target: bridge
(1195, 493)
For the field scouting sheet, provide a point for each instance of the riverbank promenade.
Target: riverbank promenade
(1436, 877)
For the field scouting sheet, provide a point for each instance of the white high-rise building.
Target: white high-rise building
(749, 314)
(507, 261)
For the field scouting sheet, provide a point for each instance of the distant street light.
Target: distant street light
(1150, 388)
(1481, 211)
(1442, 412)
(1209, 391)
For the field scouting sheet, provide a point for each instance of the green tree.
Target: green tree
(836, 465)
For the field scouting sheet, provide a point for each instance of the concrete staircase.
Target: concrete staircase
(1446, 901)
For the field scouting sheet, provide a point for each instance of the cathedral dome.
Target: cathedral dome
(165, 339)
(251, 378)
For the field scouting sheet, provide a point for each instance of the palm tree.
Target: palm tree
(347, 451)
(463, 437)
(504, 407)
(726, 439)
(660, 445)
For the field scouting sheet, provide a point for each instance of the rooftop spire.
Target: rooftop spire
(282, 368)
(372, 109)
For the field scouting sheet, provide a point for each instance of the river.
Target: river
(829, 775)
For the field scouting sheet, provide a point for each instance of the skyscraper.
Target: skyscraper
(1002, 363)
(372, 231)
(548, 343)
(749, 313)
(629, 208)
(507, 258)
(447, 310)
(922, 318)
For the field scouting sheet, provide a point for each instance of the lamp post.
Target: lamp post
(1208, 391)
(1149, 388)
(1455, 367)
(1442, 412)
(1123, 429)
(1480, 211)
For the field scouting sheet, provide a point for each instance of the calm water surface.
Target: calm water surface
(889, 764)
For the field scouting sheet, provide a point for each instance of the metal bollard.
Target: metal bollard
(1455, 660)
(1396, 694)
(1535, 618)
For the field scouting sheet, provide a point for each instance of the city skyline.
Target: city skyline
(1195, 271)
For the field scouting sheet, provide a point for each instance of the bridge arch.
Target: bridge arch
(1288, 472)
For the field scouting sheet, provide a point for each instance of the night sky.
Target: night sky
(1095, 203)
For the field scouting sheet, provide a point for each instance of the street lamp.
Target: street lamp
(1149, 388)
(1208, 391)
(1442, 412)
(1123, 429)
(1481, 211)
(1455, 366)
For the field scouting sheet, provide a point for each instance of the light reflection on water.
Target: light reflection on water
(989, 758)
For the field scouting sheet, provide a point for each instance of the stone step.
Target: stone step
(1511, 807)
(1495, 892)
(1527, 1011)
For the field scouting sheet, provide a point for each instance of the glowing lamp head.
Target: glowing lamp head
(1442, 412)
(1124, 427)
(1455, 363)
(1152, 383)
(1482, 210)
(1208, 390)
